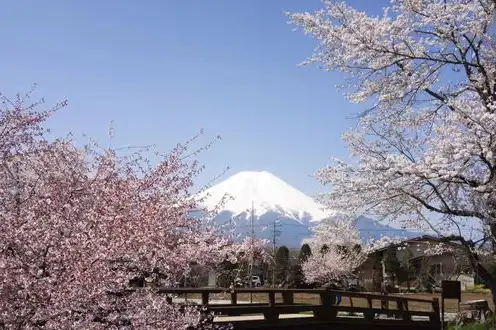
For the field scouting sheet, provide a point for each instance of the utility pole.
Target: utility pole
(252, 247)
(275, 233)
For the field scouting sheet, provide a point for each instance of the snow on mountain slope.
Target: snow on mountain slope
(275, 201)
(268, 194)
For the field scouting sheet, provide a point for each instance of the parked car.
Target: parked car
(352, 285)
(255, 282)
(238, 283)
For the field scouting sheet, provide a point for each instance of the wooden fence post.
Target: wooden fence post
(370, 316)
(271, 314)
(234, 298)
(436, 310)
(403, 308)
(287, 297)
(327, 300)
(205, 298)
(272, 299)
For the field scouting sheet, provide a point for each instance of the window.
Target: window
(437, 269)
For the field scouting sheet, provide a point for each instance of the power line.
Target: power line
(304, 226)
(250, 279)
(275, 233)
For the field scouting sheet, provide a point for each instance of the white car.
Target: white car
(255, 281)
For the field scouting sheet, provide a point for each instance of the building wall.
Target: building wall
(442, 267)
(467, 281)
(370, 275)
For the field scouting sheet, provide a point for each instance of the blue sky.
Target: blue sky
(163, 70)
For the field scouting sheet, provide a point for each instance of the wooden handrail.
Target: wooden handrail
(283, 290)
(325, 310)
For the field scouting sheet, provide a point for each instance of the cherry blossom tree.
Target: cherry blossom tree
(87, 234)
(425, 148)
(338, 251)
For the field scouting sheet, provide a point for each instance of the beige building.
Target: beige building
(424, 268)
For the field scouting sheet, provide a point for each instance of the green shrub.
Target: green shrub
(480, 288)
(473, 326)
(488, 325)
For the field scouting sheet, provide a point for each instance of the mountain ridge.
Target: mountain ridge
(267, 192)
(276, 204)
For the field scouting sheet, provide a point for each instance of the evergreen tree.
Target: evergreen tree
(296, 276)
(392, 263)
(406, 271)
(305, 252)
(376, 272)
(227, 273)
(282, 265)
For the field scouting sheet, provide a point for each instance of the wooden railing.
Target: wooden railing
(272, 303)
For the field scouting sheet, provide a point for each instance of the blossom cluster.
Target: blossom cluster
(88, 234)
(337, 250)
(425, 147)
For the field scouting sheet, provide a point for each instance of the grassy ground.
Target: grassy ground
(488, 325)
(306, 298)
(475, 326)
(452, 305)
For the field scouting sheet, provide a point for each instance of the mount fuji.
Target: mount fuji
(275, 205)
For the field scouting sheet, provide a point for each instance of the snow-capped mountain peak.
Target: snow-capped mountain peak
(276, 201)
(268, 193)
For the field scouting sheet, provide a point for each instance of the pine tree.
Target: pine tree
(392, 263)
(296, 276)
(406, 271)
(282, 265)
(305, 252)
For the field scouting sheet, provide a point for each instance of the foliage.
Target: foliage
(489, 324)
(427, 281)
(295, 278)
(87, 234)
(334, 260)
(392, 263)
(480, 288)
(247, 250)
(473, 326)
(296, 273)
(227, 273)
(341, 252)
(282, 266)
(426, 147)
(406, 271)
(377, 275)
(305, 253)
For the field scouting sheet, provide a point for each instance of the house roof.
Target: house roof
(422, 238)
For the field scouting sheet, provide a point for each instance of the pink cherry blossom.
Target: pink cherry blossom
(88, 234)
(425, 144)
(338, 251)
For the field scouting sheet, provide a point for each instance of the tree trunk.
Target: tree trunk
(489, 280)
(482, 272)
(489, 274)
(493, 235)
(493, 292)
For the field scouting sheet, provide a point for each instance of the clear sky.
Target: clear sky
(163, 70)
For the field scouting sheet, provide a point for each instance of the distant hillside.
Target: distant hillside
(274, 200)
